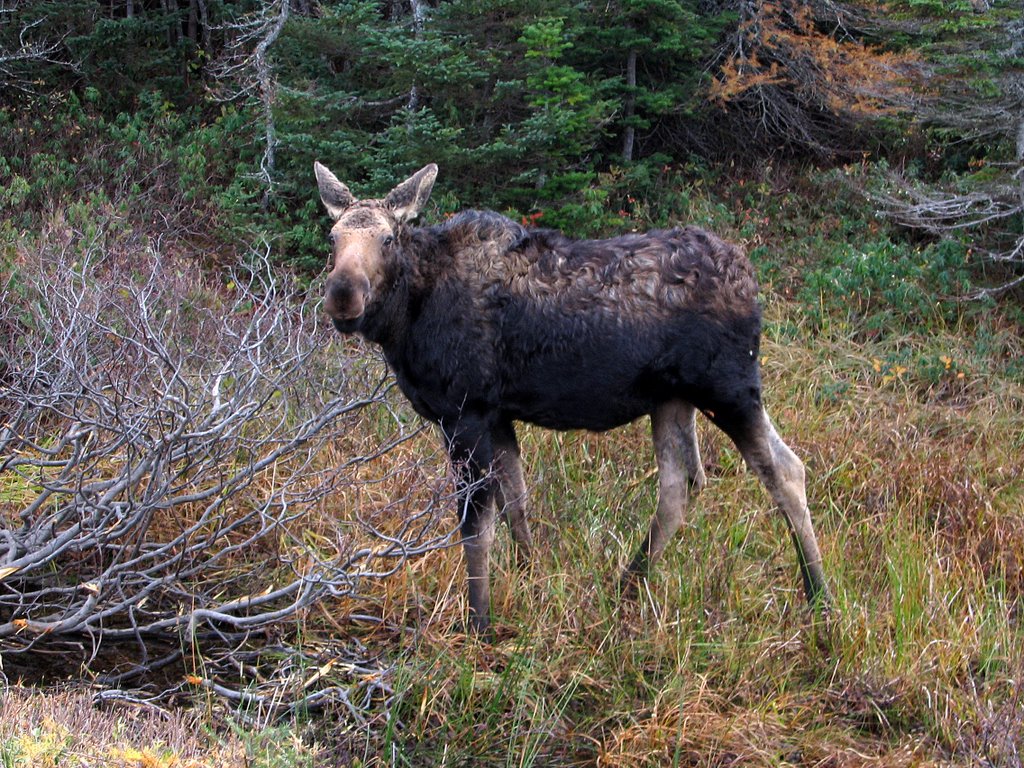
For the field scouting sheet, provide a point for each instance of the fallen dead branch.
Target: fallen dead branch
(170, 450)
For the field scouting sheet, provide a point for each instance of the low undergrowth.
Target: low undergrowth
(909, 414)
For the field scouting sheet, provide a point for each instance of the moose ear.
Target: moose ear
(335, 195)
(408, 198)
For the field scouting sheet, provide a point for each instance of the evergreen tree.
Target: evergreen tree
(650, 55)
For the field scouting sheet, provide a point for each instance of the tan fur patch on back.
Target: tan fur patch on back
(648, 275)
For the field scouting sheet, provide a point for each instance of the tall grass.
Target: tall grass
(918, 502)
(912, 432)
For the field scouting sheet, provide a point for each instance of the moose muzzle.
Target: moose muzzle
(345, 300)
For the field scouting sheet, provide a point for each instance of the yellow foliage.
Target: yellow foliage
(130, 757)
(46, 746)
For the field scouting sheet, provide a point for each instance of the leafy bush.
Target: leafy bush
(880, 285)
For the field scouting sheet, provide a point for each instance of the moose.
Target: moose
(486, 323)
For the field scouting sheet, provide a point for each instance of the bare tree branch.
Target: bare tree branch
(167, 446)
(29, 47)
(245, 66)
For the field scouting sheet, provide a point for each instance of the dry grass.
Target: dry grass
(64, 728)
(919, 507)
(917, 493)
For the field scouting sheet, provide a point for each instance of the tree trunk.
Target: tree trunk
(170, 11)
(265, 77)
(174, 17)
(193, 22)
(1020, 142)
(418, 15)
(204, 28)
(629, 107)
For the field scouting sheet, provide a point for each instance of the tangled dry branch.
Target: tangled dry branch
(983, 207)
(21, 45)
(989, 217)
(166, 446)
(800, 76)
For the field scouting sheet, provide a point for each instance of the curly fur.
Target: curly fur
(568, 334)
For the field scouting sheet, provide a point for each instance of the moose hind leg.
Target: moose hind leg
(782, 473)
(695, 475)
(510, 495)
(679, 467)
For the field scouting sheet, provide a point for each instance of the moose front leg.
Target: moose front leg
(477, 538)
(471, 456)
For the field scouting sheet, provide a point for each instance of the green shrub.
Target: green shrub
(882, 286)
(149, 166)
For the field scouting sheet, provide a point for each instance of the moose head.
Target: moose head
(363, 235)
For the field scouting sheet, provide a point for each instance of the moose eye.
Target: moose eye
(388, 240)
(332, 239)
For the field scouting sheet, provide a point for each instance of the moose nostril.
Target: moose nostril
(339, 292)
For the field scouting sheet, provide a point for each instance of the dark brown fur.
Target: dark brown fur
(651, 275)
(486, 323)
